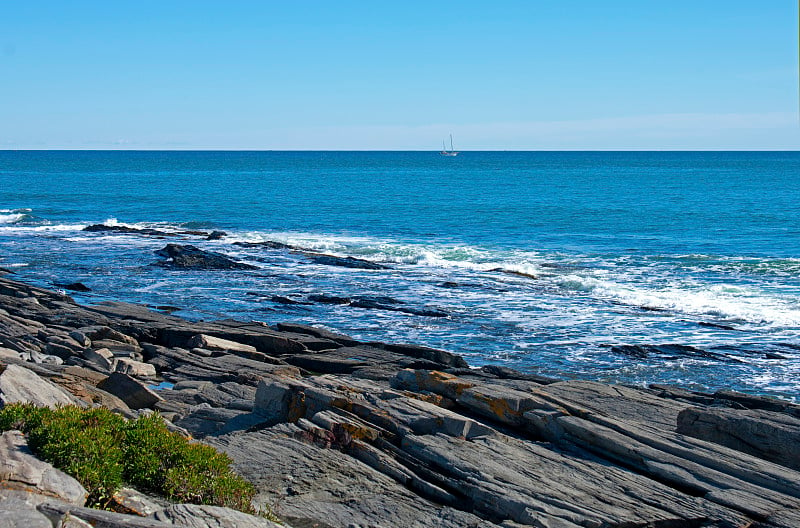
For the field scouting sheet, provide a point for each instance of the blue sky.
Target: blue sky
(527, 75)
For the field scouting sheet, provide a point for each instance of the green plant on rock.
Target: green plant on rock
(102, 450)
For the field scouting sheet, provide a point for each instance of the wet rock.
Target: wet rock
(670, 351)
(329, 299)
(346, 262)
(268, 244)
(73, 286)
(317, 332)
(216, 235)
(509, 373)
(718, 326)
(514, 272)
(443, 358)
(279, 299)
(190, 257)
(101, 228)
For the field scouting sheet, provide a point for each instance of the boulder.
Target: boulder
(74, 286)
(133, 392)
(19, 469)
(101, 357)
(20, 385)
(208, 342)
(136, 369)
(216, 235)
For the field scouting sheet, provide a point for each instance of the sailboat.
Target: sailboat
(450, 152)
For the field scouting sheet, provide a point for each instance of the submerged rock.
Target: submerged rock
(102, 228)
(190, 257)
(267, 244)
(669, 350)
(216, 235)
(346, 262)
(74, 286)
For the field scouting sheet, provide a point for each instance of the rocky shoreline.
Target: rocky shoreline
(339, 433)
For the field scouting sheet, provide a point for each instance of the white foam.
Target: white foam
(11, 218)
(725, 301)
(42, 228)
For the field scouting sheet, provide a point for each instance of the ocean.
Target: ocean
(580, 265)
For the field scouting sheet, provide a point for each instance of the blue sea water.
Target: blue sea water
(543, 261)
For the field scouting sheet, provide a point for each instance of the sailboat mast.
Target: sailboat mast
(451, 142)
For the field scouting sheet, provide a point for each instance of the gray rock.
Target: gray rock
(133, 368)
(217, 343)
(101, 357)
(18, 510)
(19, 469)
(60, 513)
(139, 503)
(133, 392)
(20, 385)
(202, 516)
(81, 338)
(768, 435)
(191, 257)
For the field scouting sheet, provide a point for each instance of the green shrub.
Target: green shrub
(102, 450)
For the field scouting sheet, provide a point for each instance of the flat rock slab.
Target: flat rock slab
(768, 435)
(18, 510)
(312, 486)
(21, 385)
(203, 516)
(217, 343)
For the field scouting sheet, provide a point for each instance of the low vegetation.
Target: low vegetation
(103, 451)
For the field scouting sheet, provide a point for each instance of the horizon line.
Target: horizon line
(60, 149)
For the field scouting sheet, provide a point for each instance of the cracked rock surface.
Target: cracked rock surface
(338, 433)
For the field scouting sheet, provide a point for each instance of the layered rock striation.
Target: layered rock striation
(334, 432)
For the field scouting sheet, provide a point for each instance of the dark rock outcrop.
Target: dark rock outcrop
(346, 262)
(216, 235)
(102, 228)
(669, 351)
(190, 257)
(73, 286)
